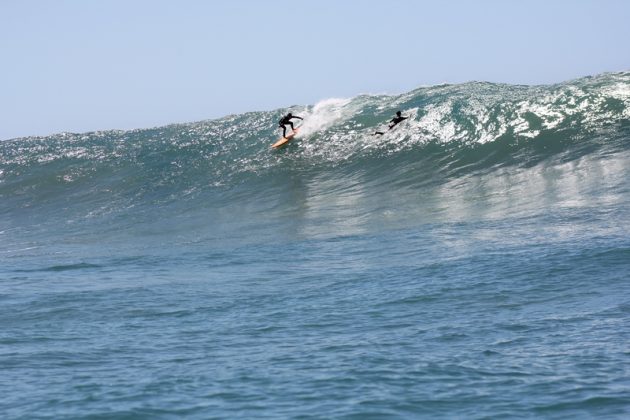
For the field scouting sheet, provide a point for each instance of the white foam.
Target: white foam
(436, 122)
(324, 114)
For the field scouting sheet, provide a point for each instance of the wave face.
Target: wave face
(221, 177)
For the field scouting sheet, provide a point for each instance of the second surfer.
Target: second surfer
(396, 120)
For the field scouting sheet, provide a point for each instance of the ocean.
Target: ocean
(473, 262)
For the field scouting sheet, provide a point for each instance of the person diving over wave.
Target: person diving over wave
(396, 120)
(286, 120)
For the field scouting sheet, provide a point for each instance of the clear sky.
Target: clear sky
(81, 65)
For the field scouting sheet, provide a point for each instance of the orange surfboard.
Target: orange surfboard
(285, 140)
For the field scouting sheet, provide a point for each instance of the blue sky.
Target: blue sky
(80, 65)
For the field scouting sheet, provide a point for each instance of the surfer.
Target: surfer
(286, 120)
(396, 120)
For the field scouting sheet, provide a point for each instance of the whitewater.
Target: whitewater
(473, 262)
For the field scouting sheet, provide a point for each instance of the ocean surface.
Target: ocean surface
(473, 262)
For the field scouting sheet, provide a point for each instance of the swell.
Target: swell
(454, 131)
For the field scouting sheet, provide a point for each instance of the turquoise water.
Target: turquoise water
(471, 263)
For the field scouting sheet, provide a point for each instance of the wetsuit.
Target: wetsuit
(396, 120)
(286, 120)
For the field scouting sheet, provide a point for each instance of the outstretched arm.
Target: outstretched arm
(295, 116)
(397, 120)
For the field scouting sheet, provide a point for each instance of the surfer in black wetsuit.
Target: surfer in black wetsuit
(396, 120)
(286, 120)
